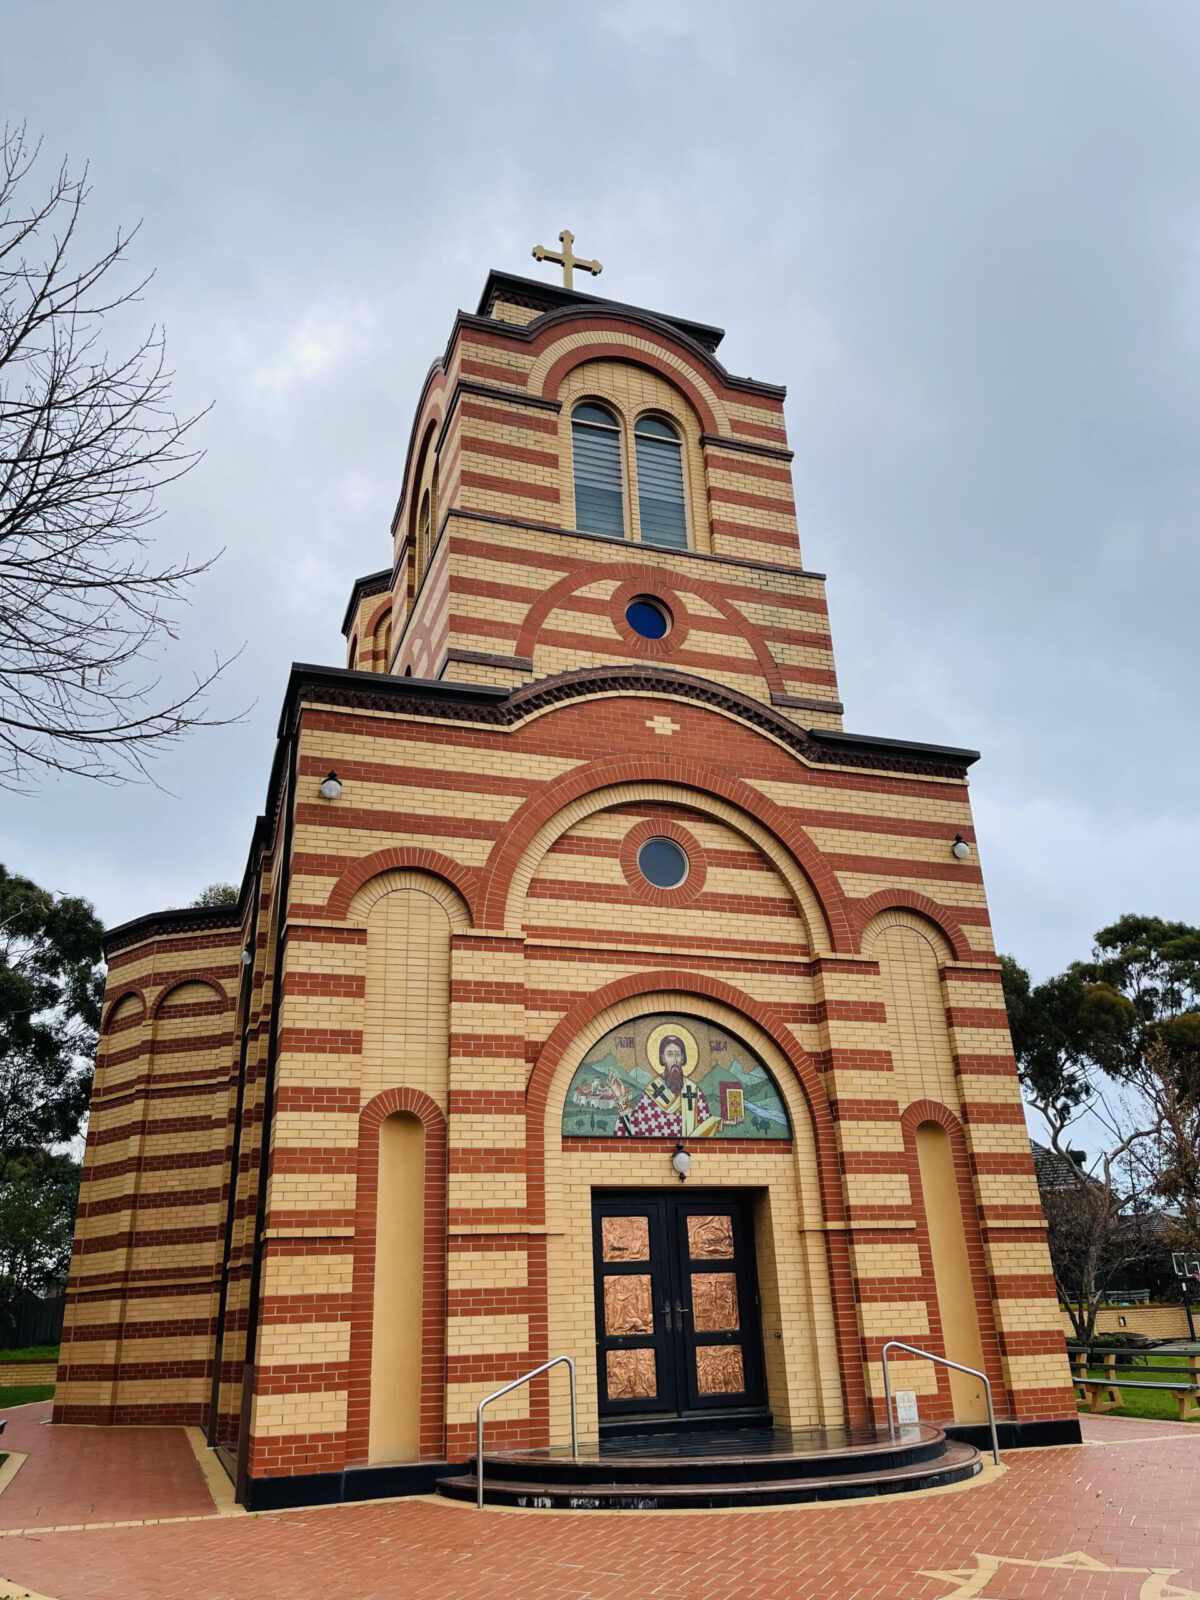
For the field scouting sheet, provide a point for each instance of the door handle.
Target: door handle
(667, 1314)
(681, 1311)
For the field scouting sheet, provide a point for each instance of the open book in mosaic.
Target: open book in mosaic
(673, 1077)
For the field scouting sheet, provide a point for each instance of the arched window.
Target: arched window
(660, 482)
(424, 521)
(596, 446)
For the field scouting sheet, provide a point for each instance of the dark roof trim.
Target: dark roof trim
(421, 693)
(501, 707)
(719, 441)
(538, 295)
(526, 333)
(190, 919)
(870, 741)
(373, 583)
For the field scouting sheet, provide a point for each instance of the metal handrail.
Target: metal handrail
(508, 1389)
(895, 1344)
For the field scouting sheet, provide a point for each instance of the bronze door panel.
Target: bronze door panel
(677, 1323)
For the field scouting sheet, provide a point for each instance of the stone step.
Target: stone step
(718, 1460)
(956, 1464)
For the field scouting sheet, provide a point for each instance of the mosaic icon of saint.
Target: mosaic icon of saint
(671, 1106)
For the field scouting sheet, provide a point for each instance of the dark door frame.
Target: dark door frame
(674, 1339)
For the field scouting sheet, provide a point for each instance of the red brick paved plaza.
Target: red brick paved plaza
(1128, 1500)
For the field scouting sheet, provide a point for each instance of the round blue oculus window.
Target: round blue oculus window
(662, 863)
(648, 618)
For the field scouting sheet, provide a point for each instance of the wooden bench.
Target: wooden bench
(1104, 1394)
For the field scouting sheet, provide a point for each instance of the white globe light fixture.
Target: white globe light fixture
(960, 849)
(331, 786)
(681, 1161)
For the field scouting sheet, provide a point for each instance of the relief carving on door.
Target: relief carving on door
(625, 1239)
(714, 1302)
(628, 1306)
(710, 1238)
(632, 1375)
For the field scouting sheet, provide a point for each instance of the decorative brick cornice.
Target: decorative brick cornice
(197, 920)
(499, 707)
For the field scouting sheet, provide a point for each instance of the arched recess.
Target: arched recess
(956, 1288)
(121, 1038)
(864, 913)
(640, 577)
(410, 918)
(186, 993)
(561, 803)
(457, 883)
(425, 1350)
(380, 629)
(826, 1265)
(911, 952)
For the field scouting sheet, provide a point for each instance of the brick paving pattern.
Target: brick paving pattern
(1127, 1500)
(97, 1474)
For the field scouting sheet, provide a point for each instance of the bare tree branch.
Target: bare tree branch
(86, 440)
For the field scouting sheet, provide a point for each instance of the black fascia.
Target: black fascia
(551, 295)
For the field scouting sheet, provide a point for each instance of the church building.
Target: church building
(591, 991)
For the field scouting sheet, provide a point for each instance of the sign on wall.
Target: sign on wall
(673, 1077)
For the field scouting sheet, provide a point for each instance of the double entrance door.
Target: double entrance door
(677, 1318)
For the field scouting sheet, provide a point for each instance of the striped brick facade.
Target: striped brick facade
(440, 945)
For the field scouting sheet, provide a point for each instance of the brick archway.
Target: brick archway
(496, 878)
(765, 1017)
(433, 1287)
(613, 341)
(640, 577)
(862, 911)
(414, 857)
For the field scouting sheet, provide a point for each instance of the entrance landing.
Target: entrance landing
(729, 1467)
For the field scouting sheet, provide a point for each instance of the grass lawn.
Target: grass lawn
(1156, 1405)
(23, 1394)
(32, 1352)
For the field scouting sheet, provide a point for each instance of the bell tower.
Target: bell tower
(587, 486)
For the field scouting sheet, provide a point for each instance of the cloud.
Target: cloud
(966, 237)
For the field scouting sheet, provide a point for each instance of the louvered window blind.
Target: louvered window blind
(596, 445)
(660, 483)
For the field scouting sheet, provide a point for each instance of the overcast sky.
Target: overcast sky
(965, 235)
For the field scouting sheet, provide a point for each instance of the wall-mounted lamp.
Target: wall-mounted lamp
(247, 956)
(681, 1161)
(960, 849)
(331, 786)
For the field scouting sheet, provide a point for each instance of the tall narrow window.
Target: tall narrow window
(423, 525)
(596, 446)
(660, 483)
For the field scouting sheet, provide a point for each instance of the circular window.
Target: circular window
(648, 618)
(662, 863)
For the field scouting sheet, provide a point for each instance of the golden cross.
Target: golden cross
(566, 259)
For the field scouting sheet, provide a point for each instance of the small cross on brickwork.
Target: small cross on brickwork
(662, 725)
(566, 258)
